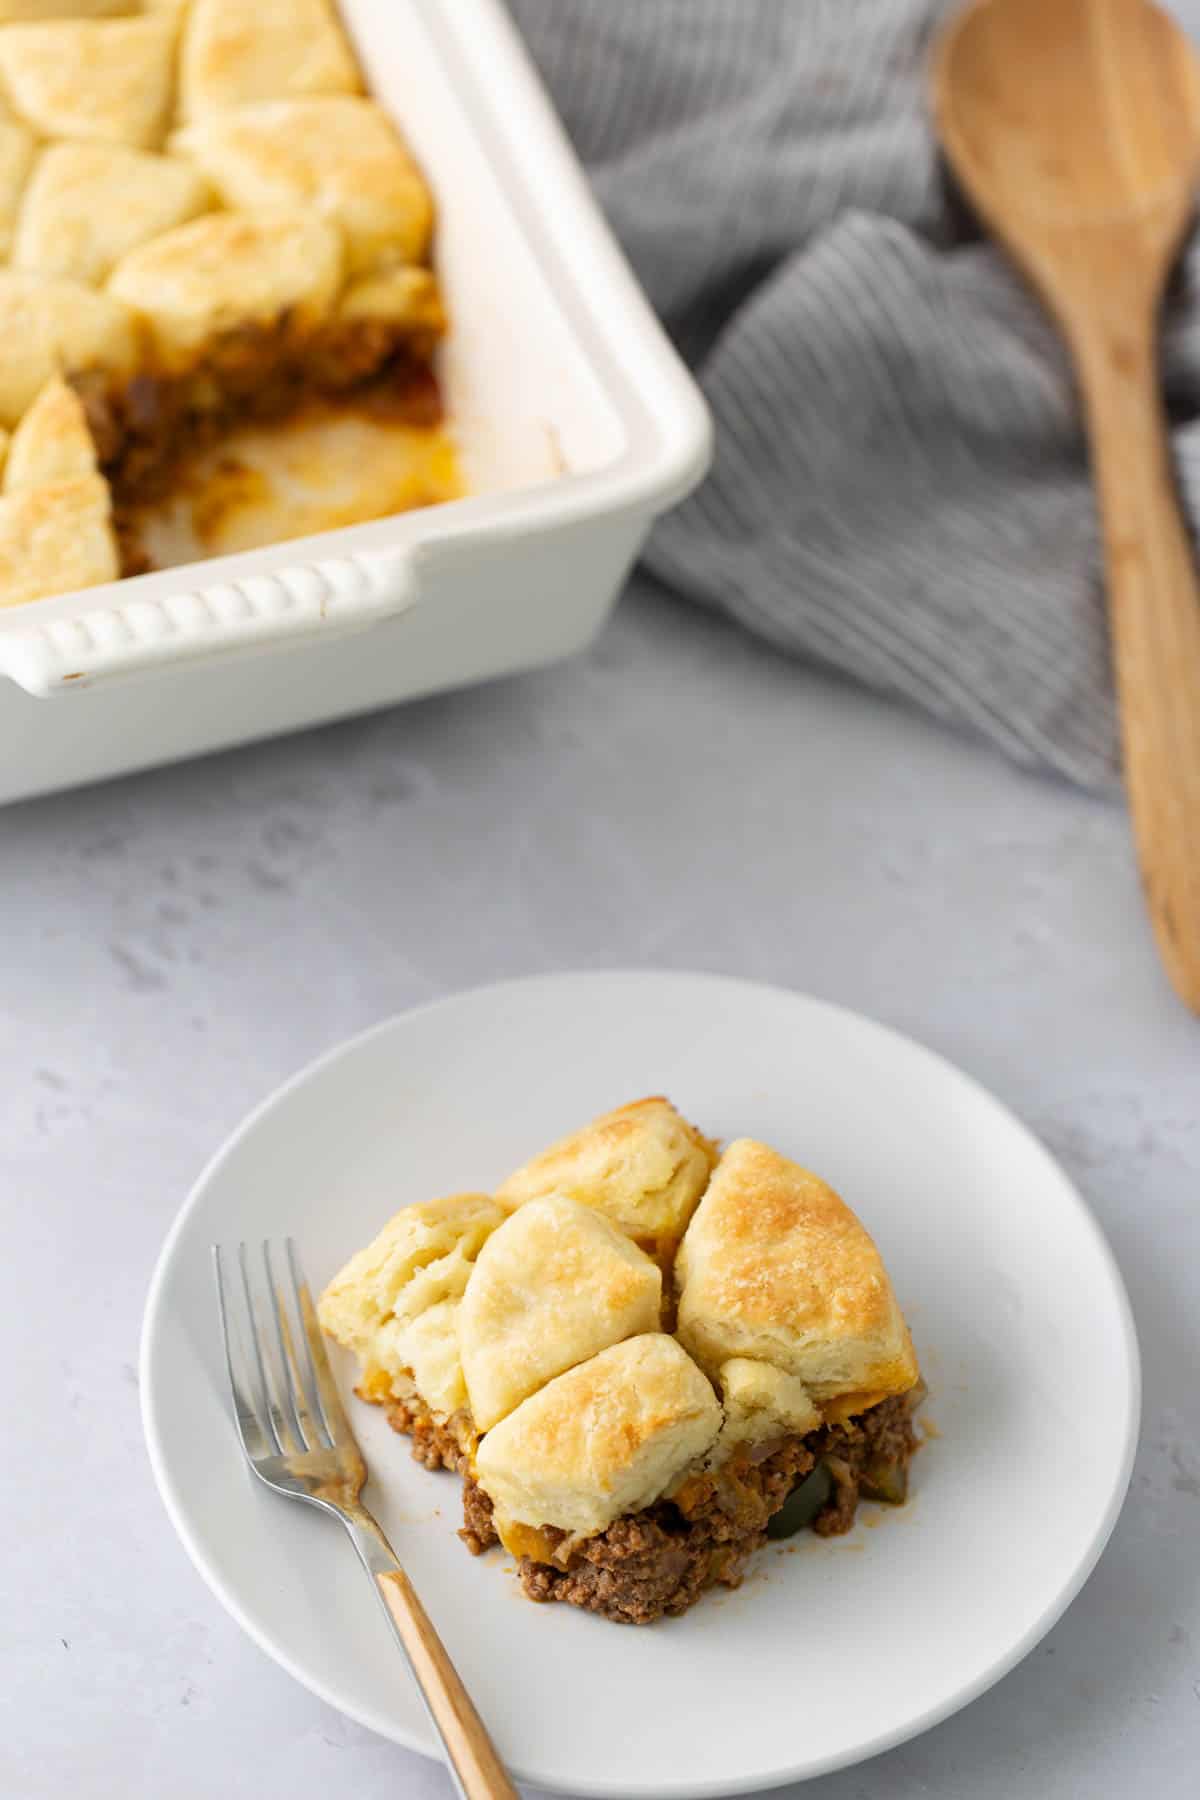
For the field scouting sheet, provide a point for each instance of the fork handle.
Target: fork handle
(472, 1754)
(475, 1768)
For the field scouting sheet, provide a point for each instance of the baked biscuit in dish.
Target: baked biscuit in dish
(339, 154)
(554, 1284)
(88, 205)
(775, 1266)
(52, 442)
(607, 1438)
(105, 81)
(17, 145)
(405, 302)
(55, 538)
(628, 1466)
(53, 327)
(643, 1166)
(230, 271)
(28, 12)
(234, 53)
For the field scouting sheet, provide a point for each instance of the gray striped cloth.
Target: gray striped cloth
(900, 490)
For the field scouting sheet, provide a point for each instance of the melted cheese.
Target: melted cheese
(526, 1540)
(848, 1406)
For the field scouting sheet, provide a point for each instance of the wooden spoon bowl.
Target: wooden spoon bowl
(1074, 125)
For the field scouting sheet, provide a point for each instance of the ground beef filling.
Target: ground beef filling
(884, 1434)
(478, 1532)
(147, 430)
(657, 1562)
(434, 1446)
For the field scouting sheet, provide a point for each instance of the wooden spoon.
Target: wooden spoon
(1074, 125)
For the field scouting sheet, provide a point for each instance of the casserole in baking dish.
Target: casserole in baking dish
(573, 424)
(210, 226)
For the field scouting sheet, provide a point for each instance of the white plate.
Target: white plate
(831, 1650)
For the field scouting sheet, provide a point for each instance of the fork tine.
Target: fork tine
(316, 1367)
(249, 1419)
(286, 1440)
(311, 1433)
(332, 1412)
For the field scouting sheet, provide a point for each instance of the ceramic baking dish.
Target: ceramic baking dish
(577, 425)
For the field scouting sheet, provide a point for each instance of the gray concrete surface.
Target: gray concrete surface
(175, 944)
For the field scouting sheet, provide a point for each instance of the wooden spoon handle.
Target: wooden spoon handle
(478, 1770)
(1154, 610)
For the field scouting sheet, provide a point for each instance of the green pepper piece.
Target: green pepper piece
(802, 1504)
(885, 1480)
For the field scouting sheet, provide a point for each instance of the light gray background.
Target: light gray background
(175, 944)
(172, 946)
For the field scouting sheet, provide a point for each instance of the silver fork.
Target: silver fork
(298, 1441)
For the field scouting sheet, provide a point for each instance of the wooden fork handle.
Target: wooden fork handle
(1154, 609)
(472, 1754)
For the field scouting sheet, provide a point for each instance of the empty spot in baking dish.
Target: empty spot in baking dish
(325, 469)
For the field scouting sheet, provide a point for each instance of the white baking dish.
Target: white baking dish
(578, 425)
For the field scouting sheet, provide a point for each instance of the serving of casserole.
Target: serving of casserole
(643, 1356)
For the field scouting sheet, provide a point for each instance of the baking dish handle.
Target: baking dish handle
(53, 655)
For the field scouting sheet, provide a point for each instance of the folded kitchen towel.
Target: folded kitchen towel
(900, 487)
